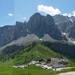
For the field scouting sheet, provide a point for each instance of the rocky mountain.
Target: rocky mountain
(60, 18)
(11, 33)
(71, 31)
(66, 25)
(38, 25)
(63, 22)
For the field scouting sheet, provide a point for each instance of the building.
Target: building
(33, 62)
(58, 62)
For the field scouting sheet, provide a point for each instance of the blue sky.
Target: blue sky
(21, 10)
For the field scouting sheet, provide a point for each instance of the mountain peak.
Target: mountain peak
(37, 24)
(36, 13)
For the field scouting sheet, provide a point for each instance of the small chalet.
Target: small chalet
(59, 62)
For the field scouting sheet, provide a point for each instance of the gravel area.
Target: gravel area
(68, 73)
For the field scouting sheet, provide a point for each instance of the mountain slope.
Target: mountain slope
(66, 49)
(66, 25)
(35, 51)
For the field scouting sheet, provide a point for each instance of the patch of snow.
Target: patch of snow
(74, 42)
(71, 20)
(57, 23)
(60, 22)
(40, 39)
(69, 39)
(64, 33)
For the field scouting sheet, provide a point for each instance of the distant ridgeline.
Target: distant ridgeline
(61, 48)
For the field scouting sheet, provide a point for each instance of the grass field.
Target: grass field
(31, 70)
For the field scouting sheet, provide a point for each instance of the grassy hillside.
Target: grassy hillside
(31, 70)
(34, 51)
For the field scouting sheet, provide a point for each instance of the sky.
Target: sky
(21, 10)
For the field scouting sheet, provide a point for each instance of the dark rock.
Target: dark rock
(37, 24)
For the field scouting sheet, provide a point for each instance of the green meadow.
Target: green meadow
(31, 70)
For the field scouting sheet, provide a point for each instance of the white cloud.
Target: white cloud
(73, 13)
(65, 14)
(10, 14)
(70, 14)
(49, 10)
(24, 18)
(53, 11)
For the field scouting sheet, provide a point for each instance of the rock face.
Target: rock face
(66, 25)
(63, 22)
(41, 25)
(10, 33)
(37, 24)
(71, 31)
(60, 18)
